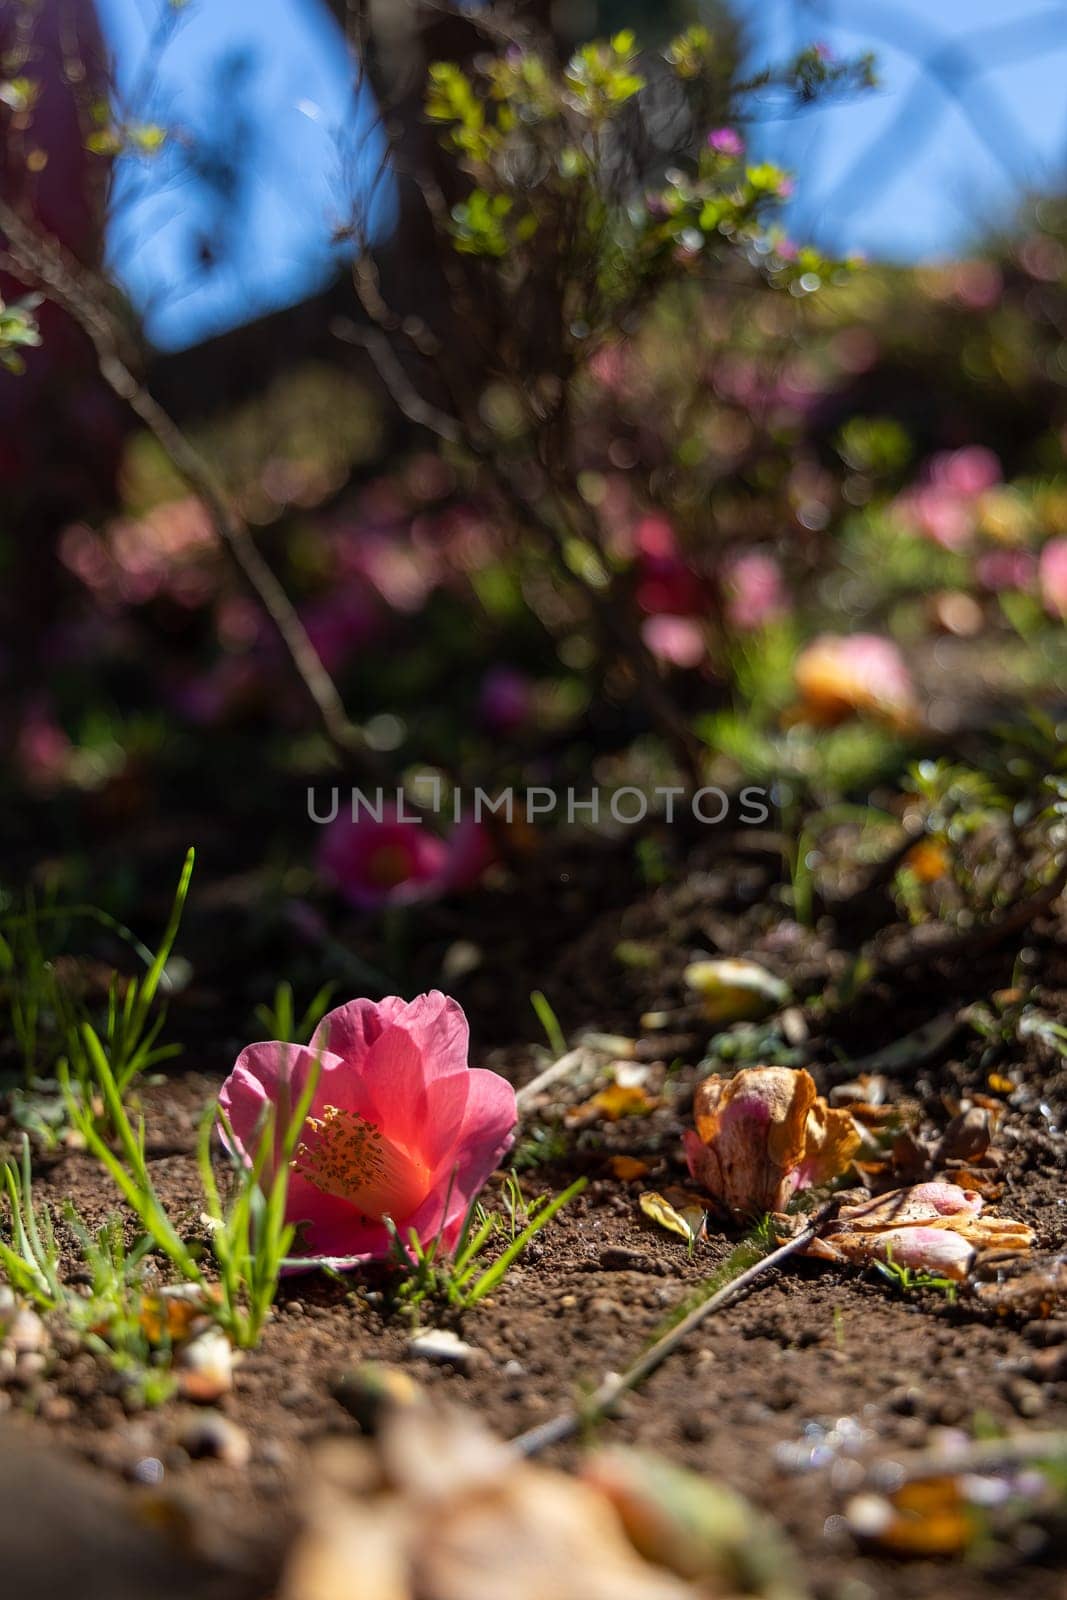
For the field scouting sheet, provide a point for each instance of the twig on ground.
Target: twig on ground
(615, 1385)
(552, 1074)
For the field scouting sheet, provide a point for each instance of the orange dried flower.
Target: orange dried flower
(763, 1135)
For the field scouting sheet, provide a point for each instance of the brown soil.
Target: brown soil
(742, 1400)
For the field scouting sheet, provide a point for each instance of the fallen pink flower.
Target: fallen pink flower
(762, 1136)
(399, 1125)
(860, 674)
(925, 1250)
(387, 862)
(930, 1227)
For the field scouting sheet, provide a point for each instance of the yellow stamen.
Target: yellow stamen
(347, 1156)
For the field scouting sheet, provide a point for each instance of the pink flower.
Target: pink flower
(755, 595)
(666, 583)
(399, 860)
(42, 749)
(679, 641)
(399, 1125)
(938, 513)
(998, 570)
(967, 472)
(861, 674)
(1052, 574)
(375, 863)
(726, 142)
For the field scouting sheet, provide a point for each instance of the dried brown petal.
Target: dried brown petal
(764, 1134)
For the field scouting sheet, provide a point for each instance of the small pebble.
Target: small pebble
(443, 1346)
(1025, 1396)
(26, 1332)
(206, 1367)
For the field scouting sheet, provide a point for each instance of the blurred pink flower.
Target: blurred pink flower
(726, 142)
(679, 641)
(42, 749)
(862, 673)
(997, 570)
(938, 513)
(341, 623)
(505, 702)
(755, 594)
(389, 862)
(399, 1125)
(665, 582)
(469, 850)
(399, 860)
(1052, 575)
(966, 472)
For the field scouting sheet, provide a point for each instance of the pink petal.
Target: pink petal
(439, 1027)
(269, 1074)
(350, 1030)
(926, 1250)
(339, 1231)
(485, 1134)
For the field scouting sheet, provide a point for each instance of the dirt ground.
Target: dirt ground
(766, 1392)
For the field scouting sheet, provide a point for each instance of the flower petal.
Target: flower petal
(351, 1029)
(272, 1075)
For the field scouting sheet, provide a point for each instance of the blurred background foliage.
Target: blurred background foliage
(620, 553)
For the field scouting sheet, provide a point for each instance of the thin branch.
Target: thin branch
(615, 1385)
(78, 292)
(552, 1074)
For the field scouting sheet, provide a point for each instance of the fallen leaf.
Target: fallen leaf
(929, 1517)
(1000, 1084)
(618, 1100)
(731, 990)
(689, 1223)
(700, 1529)
(628, 1168)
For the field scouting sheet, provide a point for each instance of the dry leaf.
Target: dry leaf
(763, 1135)
(173, 1313)
(929, 1517)
(688, 1221)
(617, 1100)
(735, 991)
(628, 1168)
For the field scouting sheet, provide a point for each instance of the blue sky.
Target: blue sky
(265, 77)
